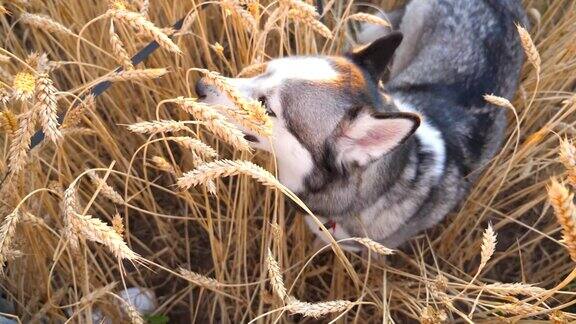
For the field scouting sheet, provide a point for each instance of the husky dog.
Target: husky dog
(389, 160)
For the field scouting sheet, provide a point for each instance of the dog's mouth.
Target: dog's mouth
(251, 138)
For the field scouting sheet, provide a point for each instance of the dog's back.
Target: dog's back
(454, 52)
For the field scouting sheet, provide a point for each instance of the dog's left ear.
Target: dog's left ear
(369, 135)
(375, 56)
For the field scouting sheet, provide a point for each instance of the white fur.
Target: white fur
(430, 137)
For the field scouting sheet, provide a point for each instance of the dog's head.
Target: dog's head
(328, 113)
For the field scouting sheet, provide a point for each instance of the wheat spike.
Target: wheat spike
(518, 308)
(4, 58)
(143, 25)
(47, 108)
(431, 315)
(301, 6)
(144, 7)
(8, 122)
(563, 203)
(24, 84)
(253, 70)
(276, 280)
(317, 310)
(21, 142)
(119, 50)
(118, 224)
(199, 279)
(371, 19)
(568, 159)
(250, 113)
(513, 289)
(374, 246)
(32, 219)
(196, 146)
(75, 114)
(7, 233)
(133, 314)
(488, 246)
(226, 168)
(310, 21)
(106, 190)
(246, 17)
(44, 23)
(97, 294)
(158, 126)
(137, 75)
(4, 95)
(215, 122)
(498, 101)
(529, 48)
(71, 208)
(163, 165)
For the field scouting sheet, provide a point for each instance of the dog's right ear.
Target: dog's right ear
(375, 56)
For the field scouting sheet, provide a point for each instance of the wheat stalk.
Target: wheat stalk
(119, 50)
(275, 275)
(199, 279)
(21, 142)
(225, 168)
(143, 25)
(75, 114)
(372, 19)
(7, 233)
(563, 203)
(251, 113)
(137, 75)
(529, 48)
(488, 246)
(373, 246)
(511, 289)
(44, 23)
(47, 108)
(215, 122)
(317, 310)
(196, 146)
(310, 21)
(158, 126)
(106, 190)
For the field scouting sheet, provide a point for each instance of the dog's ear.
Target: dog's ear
(367, 135)
(375, 56)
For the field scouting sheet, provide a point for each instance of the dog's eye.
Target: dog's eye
(269, 111)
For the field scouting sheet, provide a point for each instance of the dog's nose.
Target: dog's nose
(201, 88)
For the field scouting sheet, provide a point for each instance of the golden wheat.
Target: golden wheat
(24, 84)
(317, 310)
(196, 146)
(511, 289)
(498, 101)
(162, 164)
(21, 140)
(199, 279)
(44, 23)
(529, 48)
(105, 189)
(310, 21)
(372, 19)
(143, 25)
(226, 168)
(137, 75)
(47, 108)
(488, 246)
(563, 203)
(245, 16)
(119, 50)
(518, 308)
(374, 246)
(77, 112)
(8, 121)
(158, 126)
(301, 6)
(275, 275)
(118, 224)
(253, 70)
(7, 234)
(568, 158)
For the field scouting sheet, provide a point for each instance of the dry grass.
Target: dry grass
(62, 264)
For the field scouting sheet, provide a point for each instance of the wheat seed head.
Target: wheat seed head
(488, 246)
(562, 202)
(310, 21)
(275, 275)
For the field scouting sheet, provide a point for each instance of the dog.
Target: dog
(389, 160)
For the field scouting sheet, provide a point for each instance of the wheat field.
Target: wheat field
(142, 186)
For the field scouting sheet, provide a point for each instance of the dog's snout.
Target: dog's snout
(201, 88)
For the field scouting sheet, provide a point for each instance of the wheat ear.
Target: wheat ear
(215, 122)
(137, 75)
(368, 18)
(47, 108)
(301, 6)
(199, 279)
(74, 115)
(317, 310)
(529, 48)
(488, 246)
(7, 233)
(225, 168)
(568, 159)
(563, 203)
(373, 246)
(9, 122)
(275, 275)
(118, 224)
(498, 101)
(162, 164)
(24, 84)
(310, 21)
(44, 23)
(246, 17)
(511, 289)
(21, 142)
(196, 146)
(119, 50)
(106, 190)
(140, 23)
(253, 70)
(158, 126)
